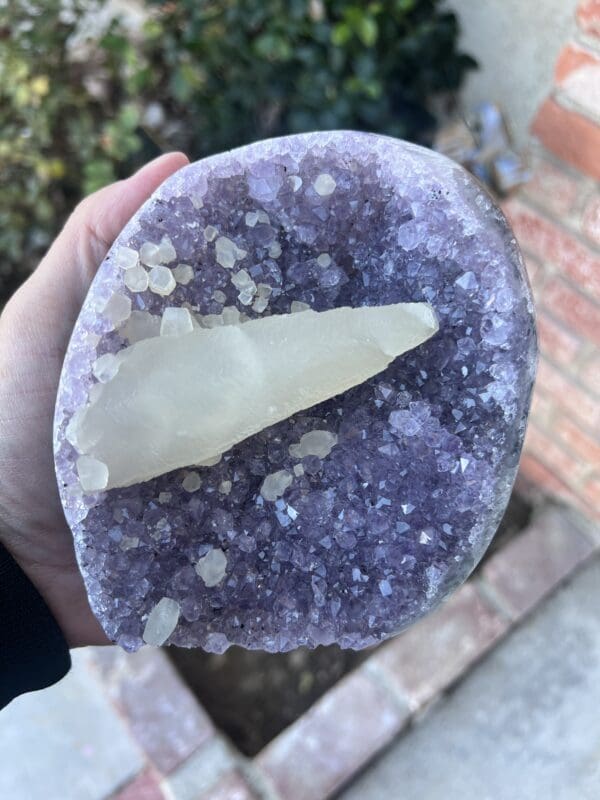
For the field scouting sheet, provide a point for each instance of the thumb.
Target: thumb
(94, 225)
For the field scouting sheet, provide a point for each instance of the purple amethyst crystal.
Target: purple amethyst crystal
(372, 527)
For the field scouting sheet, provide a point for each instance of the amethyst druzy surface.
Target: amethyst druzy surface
(349, 520)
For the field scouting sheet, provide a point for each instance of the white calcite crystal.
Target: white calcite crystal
(126, 258)
(140, 325)
(263, 293)
(136, 279)
(245, 285)
(242, 280)
(117, 309)
(166, 251)
(314, 443)
(231, 316)
(210, 462)
(105, 367)
(161, 280)
(297, 306)
(93, 474)
(275, 484)
(227, 252)
(246, 296)
(183, 274)
(192, 482)
(150, 254)
(211, 567)
(155, 416)
(274, 250)
(176, 322)
(161, 622)
(324, 184)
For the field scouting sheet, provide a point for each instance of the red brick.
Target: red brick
(530, 566)
(573, 309)
(578, 403)
(230, 787)
(533, 473)
(590, 374)
(571, 59)
(570, 136)
(591, 495)
(436, 651)
(535, 272)
(590, 223)
(163, 714)
(584, 447)
(552, 188)
(556, 343)
(541, 409)
(549, 242)
(547, 450)
(323, 749)
(578, 76)
(588, 16)
(144, 787)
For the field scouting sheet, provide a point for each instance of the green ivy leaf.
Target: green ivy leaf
(341, 34)
(367, 31)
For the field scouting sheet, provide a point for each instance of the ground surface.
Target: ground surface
(524, 725)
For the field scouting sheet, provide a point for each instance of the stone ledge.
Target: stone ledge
(430, 656)
(569, 135)
(163, 715)
(319, 752)
(532, 565)
(421, 664)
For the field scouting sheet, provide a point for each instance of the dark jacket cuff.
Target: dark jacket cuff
(33, 650)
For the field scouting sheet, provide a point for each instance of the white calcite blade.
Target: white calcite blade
(182, 400)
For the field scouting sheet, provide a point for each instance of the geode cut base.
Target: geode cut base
(352, 519)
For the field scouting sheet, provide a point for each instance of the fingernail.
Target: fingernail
(163, 157)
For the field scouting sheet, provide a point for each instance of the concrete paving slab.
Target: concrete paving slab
(525, 725)
(65, 743)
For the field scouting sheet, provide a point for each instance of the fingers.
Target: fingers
(96, 222)
(47, 304)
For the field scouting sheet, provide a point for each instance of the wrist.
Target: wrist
(56, 580)
(33, 651)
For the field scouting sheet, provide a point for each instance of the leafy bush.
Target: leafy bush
(86, 95)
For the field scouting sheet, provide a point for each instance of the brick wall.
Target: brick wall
(556, 219)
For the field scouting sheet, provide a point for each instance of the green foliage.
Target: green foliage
(202, 75)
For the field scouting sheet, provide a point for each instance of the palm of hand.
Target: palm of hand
(34, 332)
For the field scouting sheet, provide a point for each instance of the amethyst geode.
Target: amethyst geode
(376, 530)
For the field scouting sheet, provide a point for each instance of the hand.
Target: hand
(35, 327)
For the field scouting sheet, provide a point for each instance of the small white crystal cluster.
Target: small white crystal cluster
(147, 269)
(317, 443)
(211, 567)
(161, 622)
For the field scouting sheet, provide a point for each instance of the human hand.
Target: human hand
(35, 327)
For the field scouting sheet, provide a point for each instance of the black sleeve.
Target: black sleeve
(33, 651)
